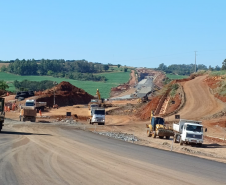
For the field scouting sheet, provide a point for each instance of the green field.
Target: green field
(114, 79)
(174, 77)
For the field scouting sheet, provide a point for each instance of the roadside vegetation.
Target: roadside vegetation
(114, 79)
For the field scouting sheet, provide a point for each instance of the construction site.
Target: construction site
(127, 117)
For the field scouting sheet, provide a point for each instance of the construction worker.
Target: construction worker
(21, 113)
(40, 112)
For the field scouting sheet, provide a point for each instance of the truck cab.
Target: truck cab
(98, 116)
(189, 132)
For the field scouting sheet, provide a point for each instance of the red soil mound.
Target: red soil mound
(145, 111)
(172, 107)
(66, 95)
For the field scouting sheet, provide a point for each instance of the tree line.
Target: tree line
(33, 85)
(76, 69)
(185, 69)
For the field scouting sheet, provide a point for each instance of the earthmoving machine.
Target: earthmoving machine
(28, 112)
(2, 113)
(99, 101)
(158, 128)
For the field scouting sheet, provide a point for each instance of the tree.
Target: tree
(3, 68)
(3, 85)
(106, 67)
(119, 65)
(224, 65)
(50, 73)
(125, 69)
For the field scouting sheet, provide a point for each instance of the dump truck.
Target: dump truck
(188, 132)
(38, 105)
(97, 115)
(158, 128)
(28, 113)
(2, 113)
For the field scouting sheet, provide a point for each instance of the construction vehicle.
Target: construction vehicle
(143, 99)
(28, 113)
(97, 115)
(158, 128)
(2, 113)
(99, 101)
(189, 132)
(38, 105)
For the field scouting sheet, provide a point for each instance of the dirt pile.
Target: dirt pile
(65, 95)
(4, 92)
(145, 112)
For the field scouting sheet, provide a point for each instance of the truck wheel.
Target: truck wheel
(175, 139)
(199, 144)
(154, 134)
(167, 137)
(148, 133)
(181, 142)
(161, 137)
(24, 119)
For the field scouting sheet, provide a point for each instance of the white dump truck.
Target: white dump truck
(38, 105)
(189, 132)
(97, 116)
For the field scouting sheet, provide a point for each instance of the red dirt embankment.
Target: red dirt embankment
(145, 112)
(213, 83)
(66, 95)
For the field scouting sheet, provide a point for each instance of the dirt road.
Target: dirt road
(199, 101)
(56, 154)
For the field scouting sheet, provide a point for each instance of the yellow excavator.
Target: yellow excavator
(98, 101)
(158, 128)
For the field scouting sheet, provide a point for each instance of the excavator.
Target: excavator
(2, 113)
(98, 101)
(158, 128)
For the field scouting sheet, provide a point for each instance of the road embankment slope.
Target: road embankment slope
(199, 101)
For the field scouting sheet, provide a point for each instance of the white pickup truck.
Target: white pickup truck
(189, 132)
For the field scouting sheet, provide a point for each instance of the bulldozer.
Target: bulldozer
(158, 128)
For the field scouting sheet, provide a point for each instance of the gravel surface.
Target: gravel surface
(118, 135)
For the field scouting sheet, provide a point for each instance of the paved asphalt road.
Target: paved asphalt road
(54, 154)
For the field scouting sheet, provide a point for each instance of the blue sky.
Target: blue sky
(136, 33)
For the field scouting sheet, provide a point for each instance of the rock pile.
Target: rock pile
(121, 136)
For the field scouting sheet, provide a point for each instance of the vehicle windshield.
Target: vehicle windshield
(194, 128)
(94, 105)
(99, 112)
(93, 100)
(29, 104)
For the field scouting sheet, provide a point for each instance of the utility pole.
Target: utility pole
(54, 83)
(195, 61)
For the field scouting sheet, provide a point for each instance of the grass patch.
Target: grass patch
(218, 73)
(114, 79)
(174, 77)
